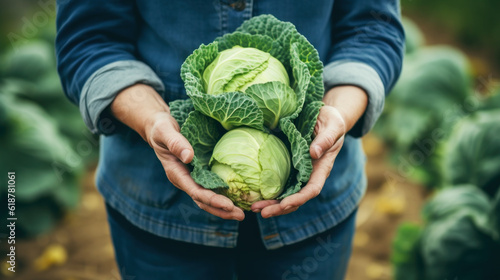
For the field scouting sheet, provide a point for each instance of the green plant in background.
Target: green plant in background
(414, 37)
(264, 76)
(29, 72)
(46, 166)
(461, 232)
(473, 152)
(405, 256)
(433, 112)
(474, 23)
(40, 132)
(456, 241)
(429, 97)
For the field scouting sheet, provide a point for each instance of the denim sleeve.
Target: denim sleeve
(101, 88)
(367, 51)
(90, 36)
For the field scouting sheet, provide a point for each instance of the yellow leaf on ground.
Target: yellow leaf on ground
(53, 255)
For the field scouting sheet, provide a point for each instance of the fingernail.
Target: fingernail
(257, 210)
(184, 155)
(317, 149)
(287, 208)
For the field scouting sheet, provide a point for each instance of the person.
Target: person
(120, 62)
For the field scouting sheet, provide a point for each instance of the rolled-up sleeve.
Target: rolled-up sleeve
(101, 88)
(96, 54)
(367, 51)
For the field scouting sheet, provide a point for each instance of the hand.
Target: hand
(141, 108)
(330, 130)
(344, 105)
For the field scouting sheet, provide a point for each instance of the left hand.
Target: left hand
(344, 105)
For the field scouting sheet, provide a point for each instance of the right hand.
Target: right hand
(142, 109)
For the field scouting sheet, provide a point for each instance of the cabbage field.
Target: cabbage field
(432, 208)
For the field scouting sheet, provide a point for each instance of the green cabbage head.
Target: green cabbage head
(255, 165)
(256, 73)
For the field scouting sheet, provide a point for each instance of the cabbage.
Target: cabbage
(455, 240)
(459, 238)
(473, 152)
(266, 78)
(238, 68)
(256, 166)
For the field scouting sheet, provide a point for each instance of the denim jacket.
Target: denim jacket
(105, 46)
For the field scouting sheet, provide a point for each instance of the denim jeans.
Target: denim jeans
(142, 255)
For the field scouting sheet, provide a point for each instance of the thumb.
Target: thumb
(323, 142)
(178, 145)
(167, 135)
(330, 128)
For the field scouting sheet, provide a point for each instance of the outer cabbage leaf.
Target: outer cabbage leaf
(260, 42)
(302, 79)
(208, 179)
(286, 35)
(301, 159)
(473, 152)
(307, 120)
(454, 241)
(180, 109)
(231, 109)
(494, 217)
(452, 201)
(203, 133)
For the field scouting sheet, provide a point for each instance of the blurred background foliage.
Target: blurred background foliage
(441, 124)
(42, 134)
(440, 129)
(474, 24)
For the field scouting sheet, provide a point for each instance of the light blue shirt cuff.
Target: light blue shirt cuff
(346, 72)
(103, 85)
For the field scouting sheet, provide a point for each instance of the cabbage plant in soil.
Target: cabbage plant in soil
(264, 76)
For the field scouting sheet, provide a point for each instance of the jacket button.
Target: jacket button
(239, 5)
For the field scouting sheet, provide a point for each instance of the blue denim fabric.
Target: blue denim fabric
(142, 255)
(148, 40)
